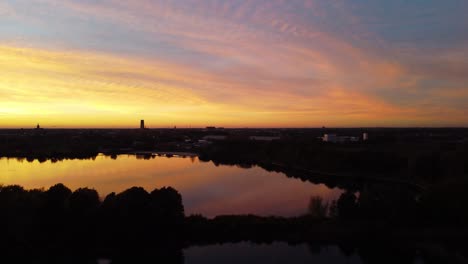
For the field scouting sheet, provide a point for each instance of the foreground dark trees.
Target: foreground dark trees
(134, 218)
(137, 224)
(61, 220)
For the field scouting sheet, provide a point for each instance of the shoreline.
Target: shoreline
(163, 153)
(103, 153)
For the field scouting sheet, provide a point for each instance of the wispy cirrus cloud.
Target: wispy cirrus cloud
(310, 62)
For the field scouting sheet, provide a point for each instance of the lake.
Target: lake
(280, 253)
(206, 189)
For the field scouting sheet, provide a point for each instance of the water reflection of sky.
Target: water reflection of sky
(206, 189)
(296, 254)
(274, 253)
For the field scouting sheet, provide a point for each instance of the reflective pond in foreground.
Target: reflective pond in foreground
(282, 253)
(206, 189)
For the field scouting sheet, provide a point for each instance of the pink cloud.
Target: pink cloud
(259, 50)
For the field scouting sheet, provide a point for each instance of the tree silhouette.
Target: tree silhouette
(347, 206)
(317, 208)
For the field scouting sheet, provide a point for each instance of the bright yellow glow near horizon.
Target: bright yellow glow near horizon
(74, 90)
(89, 64)
(82, 89)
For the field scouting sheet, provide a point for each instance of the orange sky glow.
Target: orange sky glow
(69, 64)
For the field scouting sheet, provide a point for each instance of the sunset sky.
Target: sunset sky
(233, 63)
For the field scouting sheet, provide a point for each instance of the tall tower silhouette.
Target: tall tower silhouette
(142, 124)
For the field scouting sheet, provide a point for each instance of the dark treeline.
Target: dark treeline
(422, 154)
(144, 156)
(78, 222)
(422, 162)
(50, 144)
(62, 144)
(58, 220)
(376, 214)
(410, 183)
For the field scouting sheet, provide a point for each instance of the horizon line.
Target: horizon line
(223, 127)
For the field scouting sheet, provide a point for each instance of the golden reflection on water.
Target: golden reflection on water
(206, 189)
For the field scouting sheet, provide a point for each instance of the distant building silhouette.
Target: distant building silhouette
(365, 137)
(142, 124)
(38, 126)
(333, 138)
(329, 138)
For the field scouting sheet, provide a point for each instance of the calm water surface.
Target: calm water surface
(206, 188)
(282, 253)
